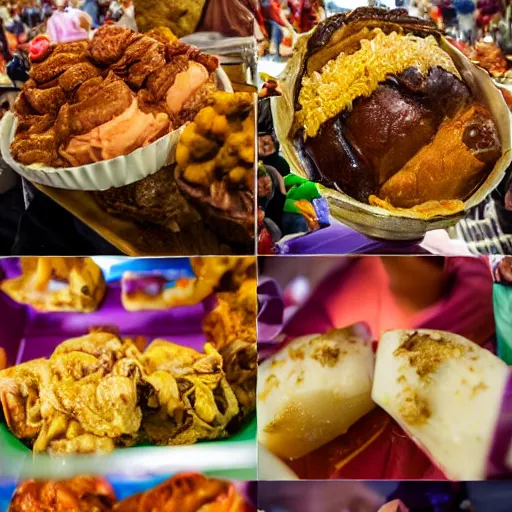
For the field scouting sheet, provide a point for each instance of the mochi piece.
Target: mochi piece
(313, 390)
(445, 392)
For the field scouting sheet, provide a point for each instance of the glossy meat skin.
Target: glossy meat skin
(187, 492)
(80, 494)
(390, 125)
(451, 166)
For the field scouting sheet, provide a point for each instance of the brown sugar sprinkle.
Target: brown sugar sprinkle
(479, 387)
(276, 363)
(327, 355)
(413, 408)
(297, 353)
(426, 352)
(271, 383)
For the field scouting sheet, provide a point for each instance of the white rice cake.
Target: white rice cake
(445, 392)
(313, 390)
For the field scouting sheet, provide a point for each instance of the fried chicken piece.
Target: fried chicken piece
(79, 282)
(109, 43)
(160, 80)
(77, 75)
(35, 147)
(187, 492)
(79, 494)
(140, 59)
(189, 399)
(45, 101)
(55, 65)
(111, 99)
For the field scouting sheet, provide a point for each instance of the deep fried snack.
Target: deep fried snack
(79, 494)
(187, 492)
(93, 101)
(190, 398)
(57, 284)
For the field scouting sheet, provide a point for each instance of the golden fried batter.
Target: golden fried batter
(57, 284)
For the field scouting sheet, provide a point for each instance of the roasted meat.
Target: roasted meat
(375, 94)
(57, 284)
(98, 99)
(187, 492)
(79, 494)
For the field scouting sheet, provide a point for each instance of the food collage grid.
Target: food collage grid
(255, 256)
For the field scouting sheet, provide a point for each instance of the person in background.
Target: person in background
(92, 9)
(16, 25)
(114, 11)
(4, 12)
(128, 17)
(486, 11)
(68, 25)
(273, 13)
(448, 13)
(308, 14)
(47, 8)
(32, 15)
(466, 19)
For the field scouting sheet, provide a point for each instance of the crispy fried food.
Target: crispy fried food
(215, 168)
(79, 494)
(190, 397)
(234, 318)
(231, 328)
(57, 284)
(187, 492)
(86, 94)
(83, 399)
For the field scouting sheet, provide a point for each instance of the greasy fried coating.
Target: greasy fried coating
(187, 492)
(191, 398)
(75, 108)
(79, 494)
(81, 288)
(83, 399)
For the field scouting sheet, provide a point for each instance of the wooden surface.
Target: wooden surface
(136, 239)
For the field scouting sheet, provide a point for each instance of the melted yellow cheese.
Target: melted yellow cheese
(326, 94)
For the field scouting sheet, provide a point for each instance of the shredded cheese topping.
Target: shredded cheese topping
(326, 94)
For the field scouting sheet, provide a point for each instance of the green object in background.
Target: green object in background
(502, 298)
(298, 189)
(234, 457)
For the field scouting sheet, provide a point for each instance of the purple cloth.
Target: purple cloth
(28, 334)
(339, 239)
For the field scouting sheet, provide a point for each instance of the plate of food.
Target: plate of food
(139, 368)
(108, 112)
(401, 130)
